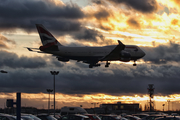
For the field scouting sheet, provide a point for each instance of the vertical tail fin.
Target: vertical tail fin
(46, 37)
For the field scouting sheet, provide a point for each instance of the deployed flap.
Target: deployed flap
(115, 52)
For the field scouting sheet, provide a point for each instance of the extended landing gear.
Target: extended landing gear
(134, 63)
(97, 65)
(94, 65)
(107, 64)
(90, 66)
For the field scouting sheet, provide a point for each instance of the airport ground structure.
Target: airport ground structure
(103, 109)
(117, 108)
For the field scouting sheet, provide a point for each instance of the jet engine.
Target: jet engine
(125, 56)
(62, 59)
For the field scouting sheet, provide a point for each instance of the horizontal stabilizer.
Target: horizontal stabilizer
(29, 49)
(33, 49)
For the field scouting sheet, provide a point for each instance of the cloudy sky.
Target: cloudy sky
(153, 25)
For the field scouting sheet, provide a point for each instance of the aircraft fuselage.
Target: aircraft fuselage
(87, 53)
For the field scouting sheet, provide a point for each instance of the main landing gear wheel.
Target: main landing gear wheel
(94, 65)
(90, 66)
(134, 63)
(107, 64)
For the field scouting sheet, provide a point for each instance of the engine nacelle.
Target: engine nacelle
(125, 59)
(41, 48)
(125, 56)
(62, 59)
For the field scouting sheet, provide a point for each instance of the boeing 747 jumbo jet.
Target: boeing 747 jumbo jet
(89, 55)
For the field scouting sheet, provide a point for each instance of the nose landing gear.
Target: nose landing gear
(107, 64)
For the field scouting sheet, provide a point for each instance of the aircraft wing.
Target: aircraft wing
(115, 52)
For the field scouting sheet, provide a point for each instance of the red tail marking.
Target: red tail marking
(42, 48)
(42, 30)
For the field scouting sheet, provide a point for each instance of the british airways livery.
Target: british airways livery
(89, 55)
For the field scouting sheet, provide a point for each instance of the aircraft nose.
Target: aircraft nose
(143, 53)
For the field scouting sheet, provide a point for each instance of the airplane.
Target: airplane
(89, 55)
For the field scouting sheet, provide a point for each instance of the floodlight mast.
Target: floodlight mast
(49, 91)
(54, 73)
(151, 96)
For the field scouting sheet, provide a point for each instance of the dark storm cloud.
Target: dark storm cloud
(55, 62)
(88, 35)
(97, 1)
(122, 79)
(25, 14)
(162, 53)
(13, 61)
(145, 6)
(57, 26)
(134, 23)
(102, 14)
(117, 80)
(21, 9)
(25, 80)
(62, 25)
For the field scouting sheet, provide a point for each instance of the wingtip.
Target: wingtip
(120, 42)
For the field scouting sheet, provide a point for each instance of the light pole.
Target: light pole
(163, 106)
(49, 91)
(94, 104)
(168, 104)
(54, 73)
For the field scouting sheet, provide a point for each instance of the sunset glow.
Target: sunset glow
(152, 25)
(86, 100)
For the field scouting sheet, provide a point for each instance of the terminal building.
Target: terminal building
(121, 107)
(118, 108)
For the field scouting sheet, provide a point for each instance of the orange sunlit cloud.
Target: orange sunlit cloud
(151, 27)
